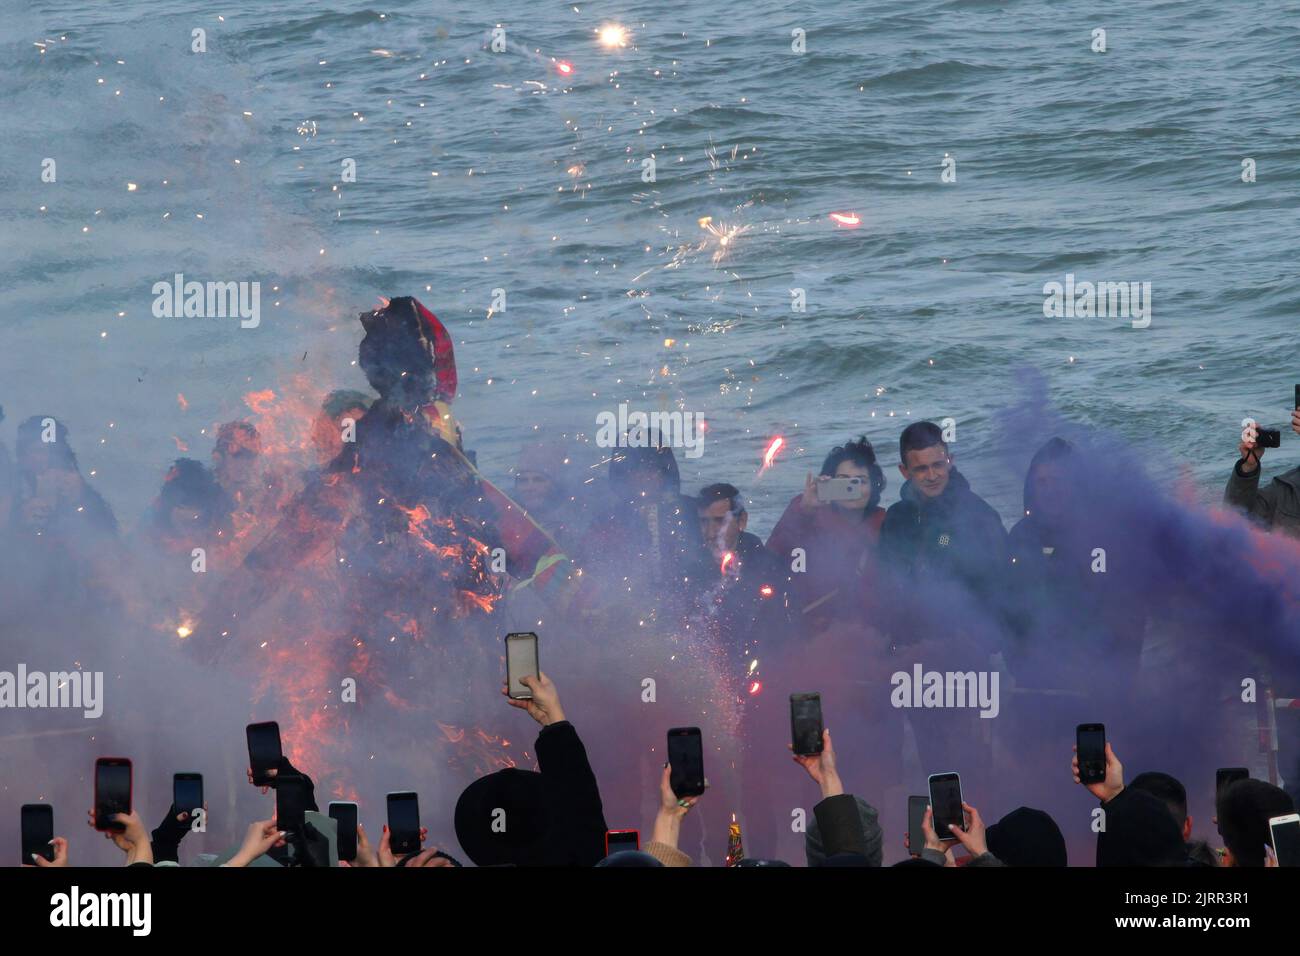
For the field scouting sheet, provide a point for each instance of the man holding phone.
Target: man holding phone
(1276, 506)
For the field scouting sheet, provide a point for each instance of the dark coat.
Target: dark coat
(1275, 506)
(957, 536)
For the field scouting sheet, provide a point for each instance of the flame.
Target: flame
(727, 560)
(769, 456)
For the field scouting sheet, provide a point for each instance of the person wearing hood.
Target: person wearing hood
(549, 817)
(1027, 837)
(939, 527)
(542, 487)
(1139, 829)
(1278, 504)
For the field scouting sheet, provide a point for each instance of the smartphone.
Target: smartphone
(1227, 775)
(187, 792)
(1286, 838)
(290, 802)
(1091, 742)
(945, 798)
(686, 760)
(915, 814)
(841, 489)
(264, 751)
(1268, 438)
(521, 661)
(112, 791)
(1297, 396)
(806, 723)
(37, 831)
(345, 815)
(617, 841)
(403, 822)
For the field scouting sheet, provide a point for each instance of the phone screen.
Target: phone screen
(345, 815)
(915, 814)
(112, 791)
(187, 792)
(521, 661)
(264, 751)
(619, 840)
(403, 822)
(686, 759)
(945, 798)
(37, 831)
(1286, 841)
(806, 723)
(290, 802)
(1091, 742)
(1228, 775)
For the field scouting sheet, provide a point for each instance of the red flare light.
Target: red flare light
(565, 67)
(755, 687)
(846, 218)
(766, 590)
(769, 456)
(728, 559)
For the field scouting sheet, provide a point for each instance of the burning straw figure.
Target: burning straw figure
(381, 569)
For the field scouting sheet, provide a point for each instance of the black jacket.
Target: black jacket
(576, 816)
(1275, 506)
(957, 535)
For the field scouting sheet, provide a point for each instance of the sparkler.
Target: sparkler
(769, 456)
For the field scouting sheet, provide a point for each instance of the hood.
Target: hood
(1056, 449)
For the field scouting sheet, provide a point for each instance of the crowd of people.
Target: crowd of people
(554, 817)
(386, 522)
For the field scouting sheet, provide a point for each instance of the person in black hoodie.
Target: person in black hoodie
(526, 818)
(939, 527)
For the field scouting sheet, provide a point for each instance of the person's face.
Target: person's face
(327, 434)
(647, 484)
(532, 488)
(851, 469)
(928, 470)
(719, 528)
(1051, 489)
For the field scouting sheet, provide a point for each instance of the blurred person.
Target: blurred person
(1276, 506)
(1243, 810)
(845, 830)
(1027, 837)
(340, 407)
(191, 508)
(51, 495)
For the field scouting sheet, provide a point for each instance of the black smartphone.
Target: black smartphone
(806, 723)
(521, 661)
(290, 802)
(37, 831)
(1268, 438)
(1090, 739)
(264, 751)
(945, 798)
(686, 761)
(915, 814)
(112, 791)
(187, 792)
(1297, 396)
(618, 840)
(345, 815)
(403, 822)
(1226, 775)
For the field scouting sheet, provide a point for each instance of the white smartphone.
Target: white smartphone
(842, 489)
(521, 661)
(1286, 838)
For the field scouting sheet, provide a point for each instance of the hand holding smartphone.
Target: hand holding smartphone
(521, 661)
(1090, 741)
(187, 792)
(403, 822)
(806, 724)
(264, 751)
(945, 799)
(686, 761)
(345, 815)
(37, 832)
(112, 792)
